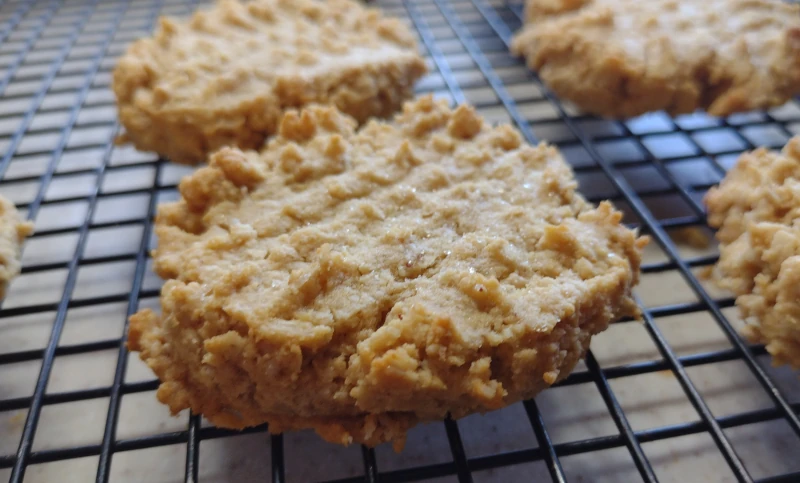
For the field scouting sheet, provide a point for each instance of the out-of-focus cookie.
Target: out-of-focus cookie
(623, 58)
(757, 211)
(225, 77)
(13, 230)
(360, 281)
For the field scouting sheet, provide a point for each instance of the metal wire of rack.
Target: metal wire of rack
(93, 204)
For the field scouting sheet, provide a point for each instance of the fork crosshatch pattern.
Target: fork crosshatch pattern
(677, 397)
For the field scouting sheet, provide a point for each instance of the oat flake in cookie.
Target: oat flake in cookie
(360, 281)
(757, 211)
(225, 76)
(13, 231)
(623, 58)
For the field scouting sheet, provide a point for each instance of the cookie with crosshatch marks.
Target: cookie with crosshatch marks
(757, 211)
(225, 77)
(622, 58)
(13, 231)
(360, 281)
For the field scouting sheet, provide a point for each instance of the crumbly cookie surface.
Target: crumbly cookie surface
(623, 58)
(13, 231)
(757, 211)
(224, 77)
(360, 281)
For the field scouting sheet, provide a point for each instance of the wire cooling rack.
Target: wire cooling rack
(680, 397)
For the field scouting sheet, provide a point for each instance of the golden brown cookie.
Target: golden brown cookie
(757, 211)
(623, 58)
(537, 9)
(360, 281)
(225, 77)
(13, 230)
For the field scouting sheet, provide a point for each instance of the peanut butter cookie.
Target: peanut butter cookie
(623, 58)
(13, 231)
(224, 77)
(757, 211)
(360, 281)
